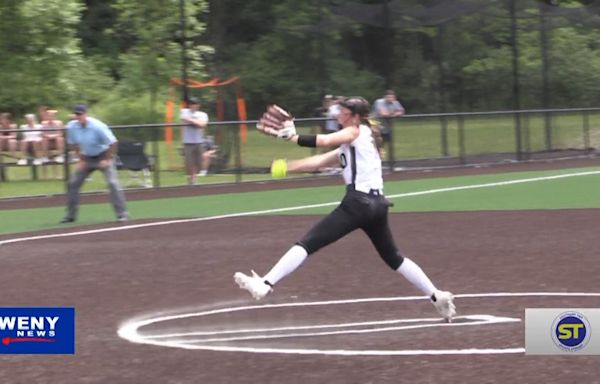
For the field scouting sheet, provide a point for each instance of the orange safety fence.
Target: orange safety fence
(220, 108)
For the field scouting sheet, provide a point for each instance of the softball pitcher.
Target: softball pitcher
(364, 205)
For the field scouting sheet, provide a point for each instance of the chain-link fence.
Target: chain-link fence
(417, 141)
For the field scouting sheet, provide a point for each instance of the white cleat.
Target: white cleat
(444, 303)
(253, 284)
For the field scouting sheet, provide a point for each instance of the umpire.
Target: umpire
(94, 143)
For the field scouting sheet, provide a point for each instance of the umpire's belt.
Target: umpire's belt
(373, 192)
(98, 157)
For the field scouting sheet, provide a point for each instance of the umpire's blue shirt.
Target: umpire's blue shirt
(93, 138)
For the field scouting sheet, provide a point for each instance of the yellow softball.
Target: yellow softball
(279, 168)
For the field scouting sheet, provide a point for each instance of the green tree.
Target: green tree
(288, 52)
(42, 62)
(572, 57)
(96, 33)
(152, 28)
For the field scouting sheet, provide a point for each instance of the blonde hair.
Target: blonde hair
(375, 126)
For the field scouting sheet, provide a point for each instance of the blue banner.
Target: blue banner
(37, 330)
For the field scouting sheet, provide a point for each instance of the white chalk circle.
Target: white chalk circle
(238, 339)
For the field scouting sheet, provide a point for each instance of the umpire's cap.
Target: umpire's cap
(80, 109)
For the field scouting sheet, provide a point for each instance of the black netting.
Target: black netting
(400, 14)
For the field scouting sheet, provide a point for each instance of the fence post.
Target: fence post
(461, 140)
(34, 173)
(444, 135)
(391, 154)
(548, 130)
(2, 170)
(586, 132)
(527, 137)
(518, 141)
(238, 155)
(156, 164)
(315, 131)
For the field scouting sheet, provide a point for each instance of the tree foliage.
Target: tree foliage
(439, 55)
(41, 59)
(154, 57)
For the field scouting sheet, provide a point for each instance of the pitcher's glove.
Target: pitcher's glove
(277, 122)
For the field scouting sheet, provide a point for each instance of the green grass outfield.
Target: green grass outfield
(556, 189)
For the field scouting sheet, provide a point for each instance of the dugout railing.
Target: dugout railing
(417, 141)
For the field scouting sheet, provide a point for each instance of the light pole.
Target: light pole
(183, 50)
(516, 85)
(544, 42)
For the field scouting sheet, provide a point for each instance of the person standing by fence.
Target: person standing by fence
(386, 110)
(192, 136)
(94, 144)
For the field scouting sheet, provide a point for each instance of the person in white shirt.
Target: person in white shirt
(193, 138)
(332, 113)
(53, 141)
(364, 205)
(31, 141)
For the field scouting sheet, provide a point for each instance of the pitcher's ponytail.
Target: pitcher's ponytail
(375, 126)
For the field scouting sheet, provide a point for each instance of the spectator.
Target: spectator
(193, 138)
(31, 142)
(331, 126)
(52, 136)
(322, 111)
(209, 150)
(8, 140)
(332, 113)
(94, 143)
(385, 110)
(43, 113)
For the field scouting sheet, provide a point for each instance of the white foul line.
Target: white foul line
(130, 329)
(287, 209)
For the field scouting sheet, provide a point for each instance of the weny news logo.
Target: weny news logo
(37, 330)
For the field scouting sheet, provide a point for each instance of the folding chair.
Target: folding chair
(131, 156)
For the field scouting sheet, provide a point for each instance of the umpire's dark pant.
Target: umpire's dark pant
(110, 174)
(368, 212)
